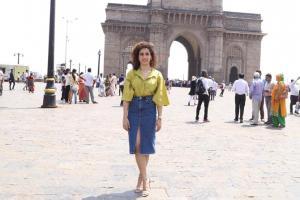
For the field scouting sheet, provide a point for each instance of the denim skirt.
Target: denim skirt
(142, 114)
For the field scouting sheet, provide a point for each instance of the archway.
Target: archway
(233, 74)
(178, 62)
(191, 54)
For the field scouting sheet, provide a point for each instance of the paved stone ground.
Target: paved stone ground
(81, 152)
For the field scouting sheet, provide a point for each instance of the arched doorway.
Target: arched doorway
(178, 62)
(233, 74)
(191, 54)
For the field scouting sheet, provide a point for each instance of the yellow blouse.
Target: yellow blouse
(154, 84)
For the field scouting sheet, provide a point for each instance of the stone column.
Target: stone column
(112, 57)
(215, 53)
(157, 31)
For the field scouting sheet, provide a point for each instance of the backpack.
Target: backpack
(200, 89)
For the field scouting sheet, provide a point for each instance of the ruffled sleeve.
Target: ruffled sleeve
(160, 97)
(128, 91)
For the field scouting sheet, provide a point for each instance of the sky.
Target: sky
(25, 29)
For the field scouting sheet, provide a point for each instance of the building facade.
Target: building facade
(223, 43)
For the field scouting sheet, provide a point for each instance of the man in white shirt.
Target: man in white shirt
(1, 81)
(294, 94)
(241, 89)
(203, 96)
(89, 82)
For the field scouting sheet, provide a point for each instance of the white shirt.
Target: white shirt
(89, 79)
(294, 88)
(1, 75)
(240, 87)
(206, 84)
(210, 83)
(68, 79)
(215, 86)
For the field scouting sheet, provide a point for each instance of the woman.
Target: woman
(81, 88)
(144, 95)
(107, 85)
(30, 83)
(192, 93)
(279, 94)
(74, 87)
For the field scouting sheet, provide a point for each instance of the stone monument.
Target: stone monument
(223, 43)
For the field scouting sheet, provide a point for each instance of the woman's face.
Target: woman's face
(144, 56)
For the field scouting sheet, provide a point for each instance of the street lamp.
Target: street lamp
(70, 64)
(99, 56)
(18, 54)
(123, 53)
(49, 96)
(67, 36)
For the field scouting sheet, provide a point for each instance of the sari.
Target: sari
(81, 90)
(279, 94)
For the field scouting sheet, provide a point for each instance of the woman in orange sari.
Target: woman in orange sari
(81, 88)
(279, 94)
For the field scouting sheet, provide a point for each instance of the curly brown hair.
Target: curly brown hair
(136, 51)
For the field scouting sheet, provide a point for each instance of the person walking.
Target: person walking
(81, 88)
(256, 91)
(192, 93)
(294, 94)
(68, 85)
(222, 87)
(202, 87)
(113, 83)
(241, 89)
(144, 95)
(101, 89)
(74, 86)
(63, 87)
(25, 79)
(121, 86)
(1, 81)
(268, 96)
(279, 94)
(89, 86)
(11, 80)
(30, 83)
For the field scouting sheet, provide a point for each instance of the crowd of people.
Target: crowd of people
(261, 91)
(26, 77)
(82, 85)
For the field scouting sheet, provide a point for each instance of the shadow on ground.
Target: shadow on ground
(7, 108)
(128, 195)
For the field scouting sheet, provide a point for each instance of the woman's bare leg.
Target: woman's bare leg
(140, 160)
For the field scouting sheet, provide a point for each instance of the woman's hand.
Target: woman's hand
(126, 124)
(158, 125)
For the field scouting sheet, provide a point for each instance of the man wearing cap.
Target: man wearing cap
(241, 89)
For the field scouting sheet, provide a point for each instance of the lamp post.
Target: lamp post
(18, 54)
(123, 55)
(67, 36)
(70, 64)
(49, 96)
(99, 56)
(79, 68)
